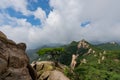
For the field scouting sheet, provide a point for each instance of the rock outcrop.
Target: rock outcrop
(14, 63)
(47, 70)
(73, 61)
(83, 44)
(85, 48)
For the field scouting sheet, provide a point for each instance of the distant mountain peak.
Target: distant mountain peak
(83, 43)
(113, 43)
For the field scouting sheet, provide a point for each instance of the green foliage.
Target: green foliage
(72, 47)
(107, 69)
(109, 46)
(50, 50)
(51, 53)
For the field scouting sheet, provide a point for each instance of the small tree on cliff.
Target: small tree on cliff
(52, 53)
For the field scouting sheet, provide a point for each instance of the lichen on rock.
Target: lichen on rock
(48, 70)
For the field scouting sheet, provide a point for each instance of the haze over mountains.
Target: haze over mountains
(32, 53)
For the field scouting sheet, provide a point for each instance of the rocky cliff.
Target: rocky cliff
(14, 63)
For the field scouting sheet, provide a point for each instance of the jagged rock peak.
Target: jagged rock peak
(2, 35)
(83, 44)
(5, 40)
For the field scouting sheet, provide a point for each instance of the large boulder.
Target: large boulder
(47, 70)
(57, 75)
(14, 63)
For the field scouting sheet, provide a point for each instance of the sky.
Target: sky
(42, 22)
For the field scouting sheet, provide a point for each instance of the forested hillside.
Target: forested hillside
(95, 62)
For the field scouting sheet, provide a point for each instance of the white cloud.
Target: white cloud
(63, 23)
(18, 5)
(40, 14)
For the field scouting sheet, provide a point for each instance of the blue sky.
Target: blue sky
(41, 22)
(85, 23)
(32, 6)
(19, 15)
(44, 4)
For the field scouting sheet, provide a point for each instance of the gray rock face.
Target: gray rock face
(14, 63)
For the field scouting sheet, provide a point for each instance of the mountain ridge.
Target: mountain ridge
(94, 62)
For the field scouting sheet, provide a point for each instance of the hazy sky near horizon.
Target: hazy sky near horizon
(40, 22)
